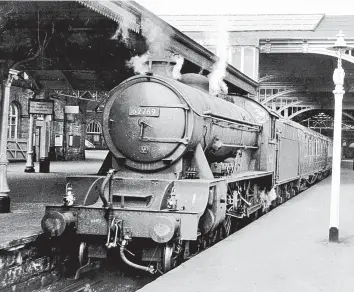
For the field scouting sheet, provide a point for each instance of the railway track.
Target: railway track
(116, 279)
(102, 280)
(83, 285)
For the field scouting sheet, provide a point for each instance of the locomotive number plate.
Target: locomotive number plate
(144, 111)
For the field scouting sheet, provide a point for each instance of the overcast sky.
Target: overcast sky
(159, 7)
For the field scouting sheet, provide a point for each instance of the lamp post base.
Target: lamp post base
(29, 169)
(333, 234)
(4, 204)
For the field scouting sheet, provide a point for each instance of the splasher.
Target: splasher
(216, 83)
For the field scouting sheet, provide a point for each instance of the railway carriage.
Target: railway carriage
(183, 168)
(303, 157)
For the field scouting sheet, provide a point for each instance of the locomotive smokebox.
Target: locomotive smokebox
(149, 122)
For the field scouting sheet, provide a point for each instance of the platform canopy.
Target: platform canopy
(237, 22)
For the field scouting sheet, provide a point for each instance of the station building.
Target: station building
(74, 52)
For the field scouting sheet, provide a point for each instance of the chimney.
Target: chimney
(161, 65)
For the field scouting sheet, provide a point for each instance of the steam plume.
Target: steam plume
(176, 72)
(157, 42)
(216, 83)
(138, 64)
(121, 31)
(267, 198)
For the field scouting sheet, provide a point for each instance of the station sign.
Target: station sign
(71, 109)
(41, 107)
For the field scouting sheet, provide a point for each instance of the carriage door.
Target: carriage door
(277, 133)
(272, 151)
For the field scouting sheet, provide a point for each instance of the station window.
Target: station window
(267, 92)
(13, 121)
(94, 127)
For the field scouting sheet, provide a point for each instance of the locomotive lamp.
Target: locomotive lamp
(172, 202)
(69, 198)
(338, 78)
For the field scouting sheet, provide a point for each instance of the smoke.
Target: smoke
(176, 72)
(158, 42)
(216, 83)
(267, 198)
(138, 64)
(123, 33)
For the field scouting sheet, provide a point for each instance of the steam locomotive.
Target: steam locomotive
(183, 168)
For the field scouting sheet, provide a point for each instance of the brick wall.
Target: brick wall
(75, 127)
(20, 97)
(97, 140)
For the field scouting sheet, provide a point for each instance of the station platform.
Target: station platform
(285, 250)
(30, 192)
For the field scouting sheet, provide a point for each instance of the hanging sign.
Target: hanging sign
(41, 107)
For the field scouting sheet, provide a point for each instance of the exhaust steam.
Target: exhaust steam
(176, 72)
(216, 83)
(157, 42)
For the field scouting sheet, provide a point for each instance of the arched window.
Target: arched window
(13, 121)
(93, 127)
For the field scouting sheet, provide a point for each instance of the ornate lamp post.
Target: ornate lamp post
(338, 78)
(4, 121)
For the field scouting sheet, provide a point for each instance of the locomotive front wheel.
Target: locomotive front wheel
(83, 254)
(170, 256)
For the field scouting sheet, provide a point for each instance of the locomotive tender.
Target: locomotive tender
(183, 167)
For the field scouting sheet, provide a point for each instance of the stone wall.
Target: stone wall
(28, 267)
